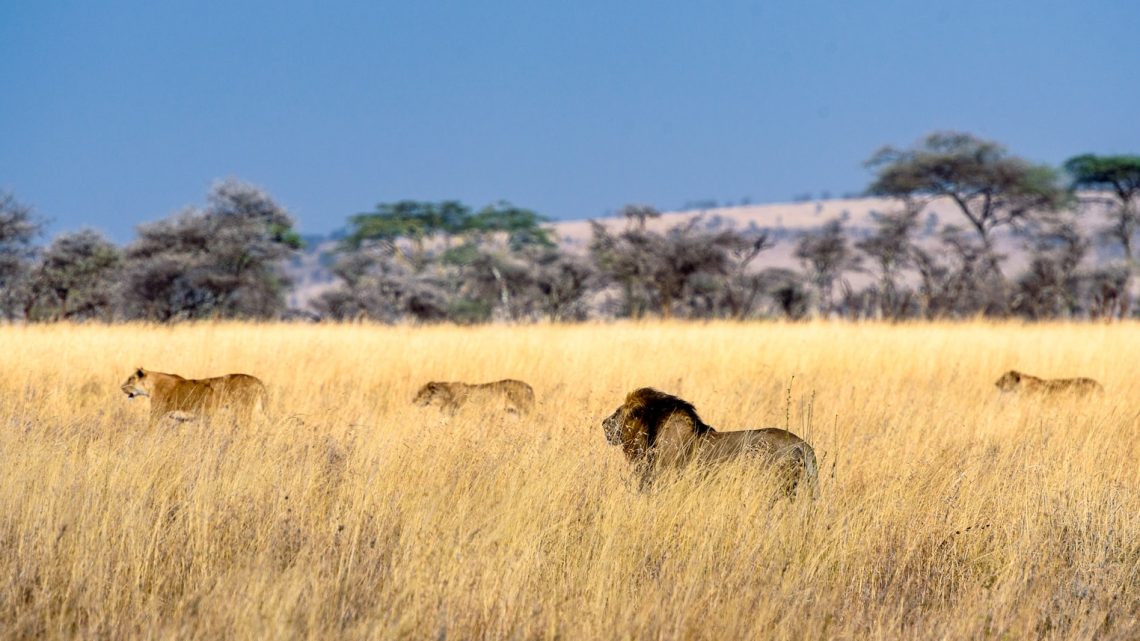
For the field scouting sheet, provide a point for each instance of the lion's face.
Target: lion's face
(613, 425)
(1009, 381)
(135, 384)
(432, 394)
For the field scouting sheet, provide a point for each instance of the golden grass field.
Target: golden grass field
(351, 514)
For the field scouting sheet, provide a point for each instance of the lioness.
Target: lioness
(240, 394)
(657, 431)
(507, 394)
(1015, 381)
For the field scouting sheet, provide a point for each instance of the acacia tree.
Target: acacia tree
(687, 257)
(991, 188)
(253, 236)
(826, 255)
(1050, 288)
(18, 228)
(1120, 176)
(789, 294)
(392, 226)
(75, 277)
(222, 261)
(1108, 292)
(379, 287)
(665, 270)
(561, 283)
(438, 261)
(743, 287)
(891, 247)
(626, 259)
(492, 270)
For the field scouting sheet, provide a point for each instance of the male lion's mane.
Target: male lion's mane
(646, 410)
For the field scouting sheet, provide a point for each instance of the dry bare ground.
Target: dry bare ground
(946, 511)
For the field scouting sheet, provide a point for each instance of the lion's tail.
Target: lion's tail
(811, 471)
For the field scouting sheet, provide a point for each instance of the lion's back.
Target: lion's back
(239, 390)
(1060, 386)
(516, 391)
(511, 394)
(238, 384)
(769, 441)
(1072, 385)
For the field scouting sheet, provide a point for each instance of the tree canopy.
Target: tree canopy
(990, 187)
(1120, 174)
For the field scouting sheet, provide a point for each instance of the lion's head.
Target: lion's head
(1009, 381)
(136, 384)
(434, 393)
(636, 423)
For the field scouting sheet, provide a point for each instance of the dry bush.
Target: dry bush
(946, 512)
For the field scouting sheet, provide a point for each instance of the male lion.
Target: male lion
(1015, 381)
(240, 394)
(507, 394)
(658, 431)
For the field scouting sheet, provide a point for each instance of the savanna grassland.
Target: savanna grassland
(946, 511)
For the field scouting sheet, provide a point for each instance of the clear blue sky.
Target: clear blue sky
(115, 113)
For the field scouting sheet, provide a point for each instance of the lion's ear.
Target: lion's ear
(140, 372)
(1016, 375)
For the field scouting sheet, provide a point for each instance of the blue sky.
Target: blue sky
(116, 113)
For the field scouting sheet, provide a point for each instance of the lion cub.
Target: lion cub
(508, 394)
(1015, 381)
(170, 394)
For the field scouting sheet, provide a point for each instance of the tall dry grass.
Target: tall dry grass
(946, 512)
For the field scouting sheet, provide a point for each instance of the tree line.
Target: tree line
(448, 262)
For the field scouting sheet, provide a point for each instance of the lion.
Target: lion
(1015, 381)
(185, 399)
(658, 431)
(508, 394)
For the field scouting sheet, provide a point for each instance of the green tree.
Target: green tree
(522, 227)
(409, 220)
(482, 259)
(1119, 175)
(990, 187)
